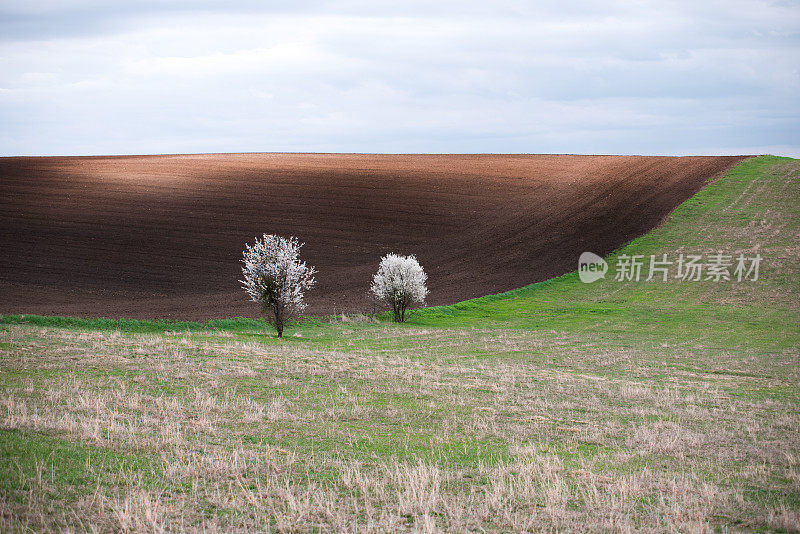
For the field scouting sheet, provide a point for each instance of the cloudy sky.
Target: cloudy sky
(616, 77)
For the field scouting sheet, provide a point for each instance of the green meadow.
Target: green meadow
(612, 406)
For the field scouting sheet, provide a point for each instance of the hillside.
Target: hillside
(750, 211)
(161, 236)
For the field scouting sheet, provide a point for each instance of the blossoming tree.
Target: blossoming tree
(399, 282)
(275, 277)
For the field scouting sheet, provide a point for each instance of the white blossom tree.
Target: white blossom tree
(275, 277)
(399, 282)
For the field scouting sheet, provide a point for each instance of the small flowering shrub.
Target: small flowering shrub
(399, 282)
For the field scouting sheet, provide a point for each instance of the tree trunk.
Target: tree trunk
(278, 311)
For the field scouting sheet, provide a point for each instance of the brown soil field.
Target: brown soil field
(162, 236)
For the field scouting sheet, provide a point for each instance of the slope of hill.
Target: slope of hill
(751, 211)
(161, 236)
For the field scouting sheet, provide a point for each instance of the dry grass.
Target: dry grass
(433, 435)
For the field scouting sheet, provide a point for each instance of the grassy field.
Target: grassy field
(613, 406)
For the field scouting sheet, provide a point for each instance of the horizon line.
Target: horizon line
(301, 153)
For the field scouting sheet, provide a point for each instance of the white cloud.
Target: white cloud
(645, 77)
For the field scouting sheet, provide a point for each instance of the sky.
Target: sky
(80, 77)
